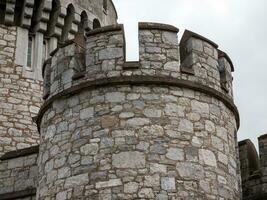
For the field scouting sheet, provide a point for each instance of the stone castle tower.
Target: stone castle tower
(163, 127)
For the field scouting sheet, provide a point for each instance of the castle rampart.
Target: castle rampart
(152, 129)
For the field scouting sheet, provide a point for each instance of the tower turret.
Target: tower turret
(163, 127)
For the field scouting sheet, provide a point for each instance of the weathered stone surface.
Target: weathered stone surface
(115, 97)
(170, 38)
(110, 53)
(135, 122)
(129, 160)
(186, 126)
(109, 121)
(175, 154)
(199, 107)
(168, 183)
(155, 168)
(190, 170)
(174, 110)
(207, 157)
(75, 181)
(89, 149)
(131, 187)
(86, 113)
(110, 183)
(152, 113)
(152, 181)
(146, 193)
(172, 66)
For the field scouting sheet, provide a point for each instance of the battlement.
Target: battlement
(253, 168)
(55, 18)
(195, 63)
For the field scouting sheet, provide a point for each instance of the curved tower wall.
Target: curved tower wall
(153, 129)
(29, 31)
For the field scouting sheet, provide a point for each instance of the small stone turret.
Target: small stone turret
(29, 31)
(163, 127)
(254, 169)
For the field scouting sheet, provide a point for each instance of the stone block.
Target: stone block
(107, 184)
(129, 160)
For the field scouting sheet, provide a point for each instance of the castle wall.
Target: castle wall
(46, 24)
(18, 174)
(152, 129)
(20, 98)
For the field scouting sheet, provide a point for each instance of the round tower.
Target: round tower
(29, 31)
(160, 128)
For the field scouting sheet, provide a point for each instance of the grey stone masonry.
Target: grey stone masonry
(29, 31)
(20, 98)
(153, 129)
(18, 176)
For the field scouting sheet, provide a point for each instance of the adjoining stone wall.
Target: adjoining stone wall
(18, 176)
(20, 98)
(152, 129)
(253, 169)
(20, 87)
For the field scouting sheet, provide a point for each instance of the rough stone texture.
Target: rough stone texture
(20, 98)
(21, 89)
(121, 141)
(135, 152)
(137, 141)
(18, 174)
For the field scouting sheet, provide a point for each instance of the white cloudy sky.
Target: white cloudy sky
(240, 29)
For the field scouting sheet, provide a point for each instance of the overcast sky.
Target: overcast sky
(239, 27)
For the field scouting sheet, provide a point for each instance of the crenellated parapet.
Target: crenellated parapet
(195, 62)
(253, 169)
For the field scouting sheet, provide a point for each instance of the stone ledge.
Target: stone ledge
(19, 194)
(157, 26)
(131, 65)
(188, 34)
(140, 80)
(116, 27)
(20, 153)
